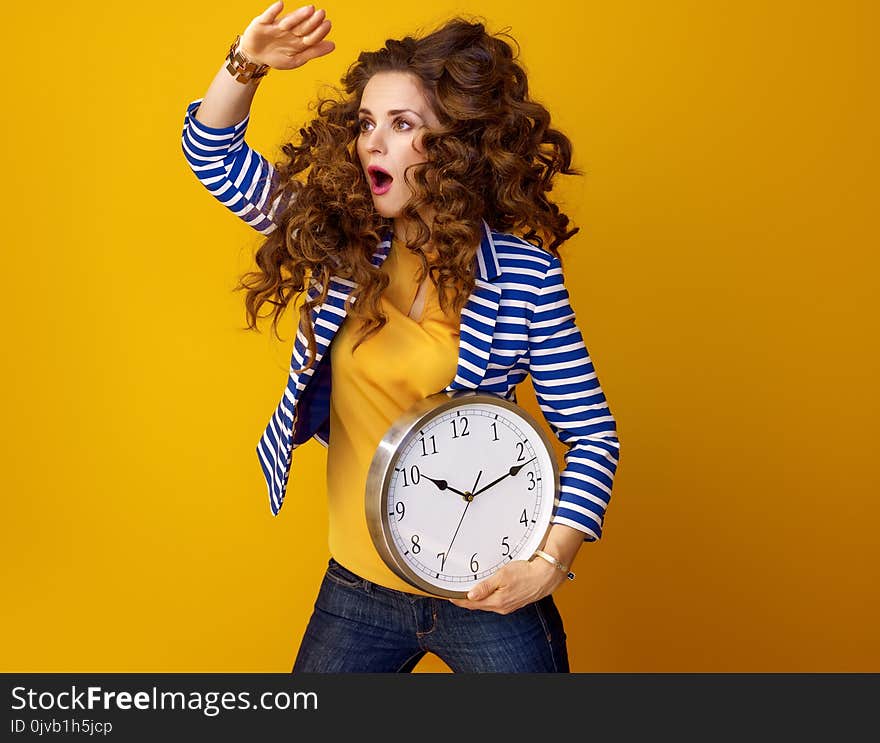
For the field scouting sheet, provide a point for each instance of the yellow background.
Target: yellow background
(725, 279)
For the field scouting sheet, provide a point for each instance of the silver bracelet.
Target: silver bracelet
(555, 563)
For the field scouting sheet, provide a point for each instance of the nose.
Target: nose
(376, 141)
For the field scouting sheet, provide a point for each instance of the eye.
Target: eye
(364, 125)
(402, 125)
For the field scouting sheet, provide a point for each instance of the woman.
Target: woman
(396, 212)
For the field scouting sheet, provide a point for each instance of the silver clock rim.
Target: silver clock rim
(388, 453)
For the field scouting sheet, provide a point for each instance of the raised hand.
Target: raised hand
(289, 42)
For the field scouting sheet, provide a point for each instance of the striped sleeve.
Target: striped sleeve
(238, 177)
(569, 395)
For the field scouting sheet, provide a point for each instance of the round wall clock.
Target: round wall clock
(461, 484)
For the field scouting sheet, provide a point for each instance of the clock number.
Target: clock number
(475, 566)
(524, 519)
(425, 451)
(464, 427)
(506, 547)
(495, 431)
(521, 446)
(531, 480)
(416, 547)
(400, 509)
(414, 475)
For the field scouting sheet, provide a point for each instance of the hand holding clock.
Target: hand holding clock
(521, 582)
(450, 435)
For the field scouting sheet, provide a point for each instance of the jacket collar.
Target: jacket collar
(486, 259)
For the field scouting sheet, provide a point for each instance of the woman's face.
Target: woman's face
(393, 115)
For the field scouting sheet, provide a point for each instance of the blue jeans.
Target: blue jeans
(359, 627)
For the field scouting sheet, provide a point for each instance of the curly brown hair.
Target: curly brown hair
(493, 157)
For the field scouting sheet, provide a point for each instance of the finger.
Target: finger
(318, 50)
(465, 604)
(318, 34)
(270, 13)
(481, 605)
(482, 589)
(304, 28)
(296, 17)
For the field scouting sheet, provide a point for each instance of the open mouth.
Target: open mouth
(380, 180)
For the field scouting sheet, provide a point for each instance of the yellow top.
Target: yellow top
(407, 360)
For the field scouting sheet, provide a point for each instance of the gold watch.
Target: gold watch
(240, 67)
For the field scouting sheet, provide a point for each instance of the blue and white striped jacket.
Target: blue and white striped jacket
(517, 322)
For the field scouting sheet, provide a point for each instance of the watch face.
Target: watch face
(468, 488)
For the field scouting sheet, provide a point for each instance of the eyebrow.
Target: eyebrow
(393, 112)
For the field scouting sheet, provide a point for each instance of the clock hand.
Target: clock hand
(512, 471)
(469, 500)
(471, 491)
(443, 485)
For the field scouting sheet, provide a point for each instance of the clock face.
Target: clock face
(469, 487)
